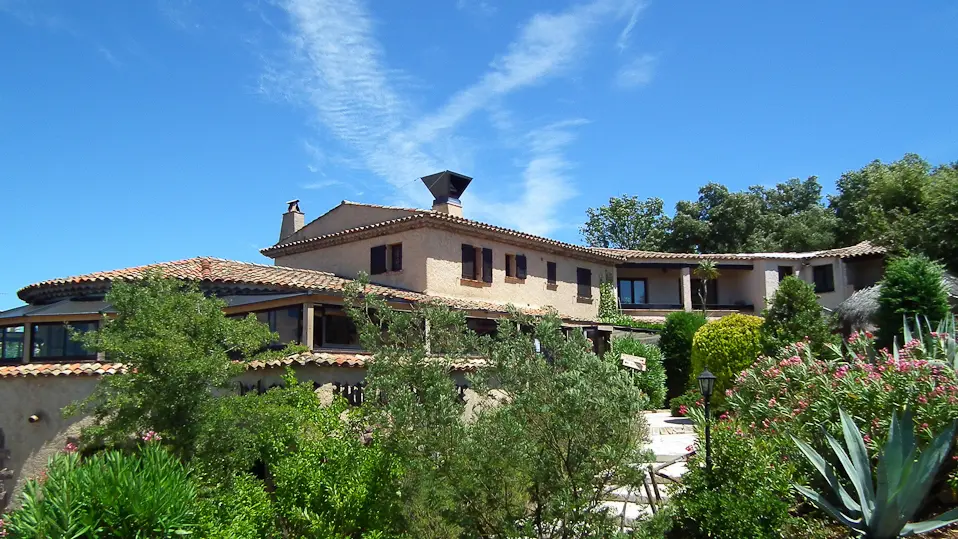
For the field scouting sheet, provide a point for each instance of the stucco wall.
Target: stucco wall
(346, 216)
(348, 259)
(864, 273)
(30, 445)
(843, 289)
(444, 272)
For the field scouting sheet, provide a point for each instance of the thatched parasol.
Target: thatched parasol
(859, 311)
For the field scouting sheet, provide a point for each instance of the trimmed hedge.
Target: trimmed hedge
(726, 347)
(676, 344)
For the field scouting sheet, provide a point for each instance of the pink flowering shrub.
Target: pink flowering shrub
(797, 393)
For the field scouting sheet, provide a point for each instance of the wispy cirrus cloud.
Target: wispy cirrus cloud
(337, 69)
(639, 72)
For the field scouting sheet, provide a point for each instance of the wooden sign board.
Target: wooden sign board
(635, 363)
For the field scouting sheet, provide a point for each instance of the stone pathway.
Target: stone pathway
(670, 436)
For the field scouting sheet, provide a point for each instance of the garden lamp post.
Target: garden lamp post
(706, 386)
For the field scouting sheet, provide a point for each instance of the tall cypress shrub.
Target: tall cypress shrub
(676, 345)
(912, 287)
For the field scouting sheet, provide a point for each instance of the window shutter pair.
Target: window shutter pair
(377, 260)
(469, 263)
(520, 266)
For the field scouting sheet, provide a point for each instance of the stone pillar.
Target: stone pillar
(308, 329)
(686, 289)
(27, 342)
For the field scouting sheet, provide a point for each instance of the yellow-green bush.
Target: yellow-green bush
(726, 347)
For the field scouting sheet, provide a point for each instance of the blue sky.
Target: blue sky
(138, 132)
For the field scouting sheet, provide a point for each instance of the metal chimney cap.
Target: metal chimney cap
(293, 206)
(446, 186)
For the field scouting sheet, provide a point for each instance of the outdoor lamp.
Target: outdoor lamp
(706, 386)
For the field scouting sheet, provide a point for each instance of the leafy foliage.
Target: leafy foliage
(627, 223)
(746, 495)
(177, 346)
(794, 315)
(241, 509)
(651, 381)
(544, 442)
(608, 306)
(108, 495)
(726, 347)
(628, 321)
(912, 287)
(676, 344)
(680, 406)
(706, 271)
(903, 480)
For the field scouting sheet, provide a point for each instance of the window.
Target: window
(785, 271)
(287, 322)
(824, 278)
(11, 343)
(632, 291)
(711, 294)
(516, 266)
(476, 263)
(551, 273)
(583, 278)
(53, 340)
(483, 326)
(383, 258)
(337, 330)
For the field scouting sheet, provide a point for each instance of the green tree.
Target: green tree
(546, 434)
(627, 223)
(939, 229)
(718, 222)
(176, 346)
(706, 271)
(882, 202)
(912, 287)
(793, 315)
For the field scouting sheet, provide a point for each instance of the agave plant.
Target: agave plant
(903, 480)
(936, 345)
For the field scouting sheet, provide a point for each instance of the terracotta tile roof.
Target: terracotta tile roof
(864, 248)
(421, 218)
(59, 369)
(216, 271)
(319, 359)
(860, 249)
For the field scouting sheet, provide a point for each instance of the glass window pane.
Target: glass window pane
(625, 292)
(639, 288)
(340, 331)
(11, 343)
(74, 348)
(49, 340)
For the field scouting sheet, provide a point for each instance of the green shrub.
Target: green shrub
(620, 319)
(676, 345)
(241, 509)
(748, 493)
(108, 495)
(726, 347)
(608, 306)
(652, 380)
(690, 399)
(912, 287)
(794, 315)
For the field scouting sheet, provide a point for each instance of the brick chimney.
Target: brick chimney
(447, 187)
(293, 220)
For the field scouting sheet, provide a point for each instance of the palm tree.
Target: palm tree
(705, 271)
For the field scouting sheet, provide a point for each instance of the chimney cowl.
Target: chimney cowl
(293, 206)
(446, 186)
(293, 220)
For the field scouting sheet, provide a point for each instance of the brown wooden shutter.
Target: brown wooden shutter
(377, 260)
(583, 278)
(468, 261)
(551, 272)
(520, 266)
(487, 265)
(397, 257)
